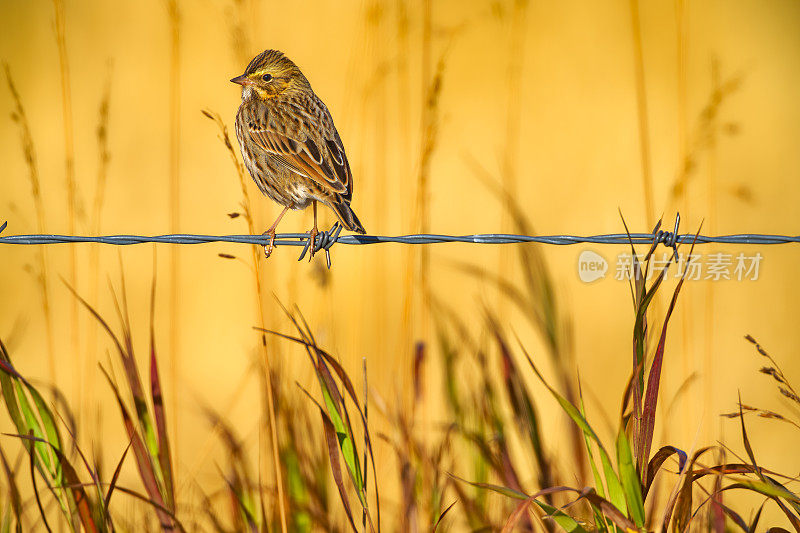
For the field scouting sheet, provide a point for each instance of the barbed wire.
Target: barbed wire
(326, 239)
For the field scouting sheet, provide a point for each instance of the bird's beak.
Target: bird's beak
(242, 80)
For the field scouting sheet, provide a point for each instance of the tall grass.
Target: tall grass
(174, 17)
(29, 151)
(416, 282)
(38, 428)
(69, 178)
(709, 130)
(642, 114)
(536, 298)
(447, 472)
(256, 268)
(95, 222)
(509, 168)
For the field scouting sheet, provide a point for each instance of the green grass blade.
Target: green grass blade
(616, 494)
(587, 440)
(615, 491)
(630, 479)
(333, 453)
(345, 439)
(600, 522)
(568, 523)
(32, 425)
(499, 489)
(767, 488)
(80, 502)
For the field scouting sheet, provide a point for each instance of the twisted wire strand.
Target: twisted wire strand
(301, 239)
(326, 239)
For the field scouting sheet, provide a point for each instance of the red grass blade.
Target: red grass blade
(159, 508)
(321, 365)
(159, 410)
(657, 460)
(441, 516)
(73, 483)
(336, 469)
(13, 490)
(520, 511)
(718, 509)
(36, 492)
(648, 422)
(651, 395)
(610, 511)
(115, 477)
(164, 457)
(522, 405)
(682, 505)
(755, 520)
(143, 462)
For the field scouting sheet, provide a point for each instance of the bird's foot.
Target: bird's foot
(271, 246)
(326, 240)
(312, 239)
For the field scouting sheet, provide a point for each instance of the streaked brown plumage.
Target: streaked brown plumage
(289, 143)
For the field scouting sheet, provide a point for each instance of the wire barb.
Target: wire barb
(668, 238)
(324, 241)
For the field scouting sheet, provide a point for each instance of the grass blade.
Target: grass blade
(657, 460)
(143, 459)
(442, 515)
(520, 511)
(159, 410)
(630, 479)
(499, 489)
(522, 405)
(648, 423)
(115, 477)
(615, 490)
(36, 492)
(73, 484)
(332, 441)
(13, 490)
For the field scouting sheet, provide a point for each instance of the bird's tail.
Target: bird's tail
(347, 216)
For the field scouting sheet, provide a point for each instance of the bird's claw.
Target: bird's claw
(312, 239)
(326, 240)
(268, 248)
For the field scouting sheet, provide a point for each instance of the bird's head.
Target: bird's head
(271, 74)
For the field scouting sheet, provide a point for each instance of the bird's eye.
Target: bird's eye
(267, 77)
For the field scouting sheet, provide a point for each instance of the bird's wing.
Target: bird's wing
(326, 165)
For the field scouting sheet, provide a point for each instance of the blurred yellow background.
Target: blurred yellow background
(559, 100)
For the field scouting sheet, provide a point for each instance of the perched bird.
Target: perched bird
(289, 143)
